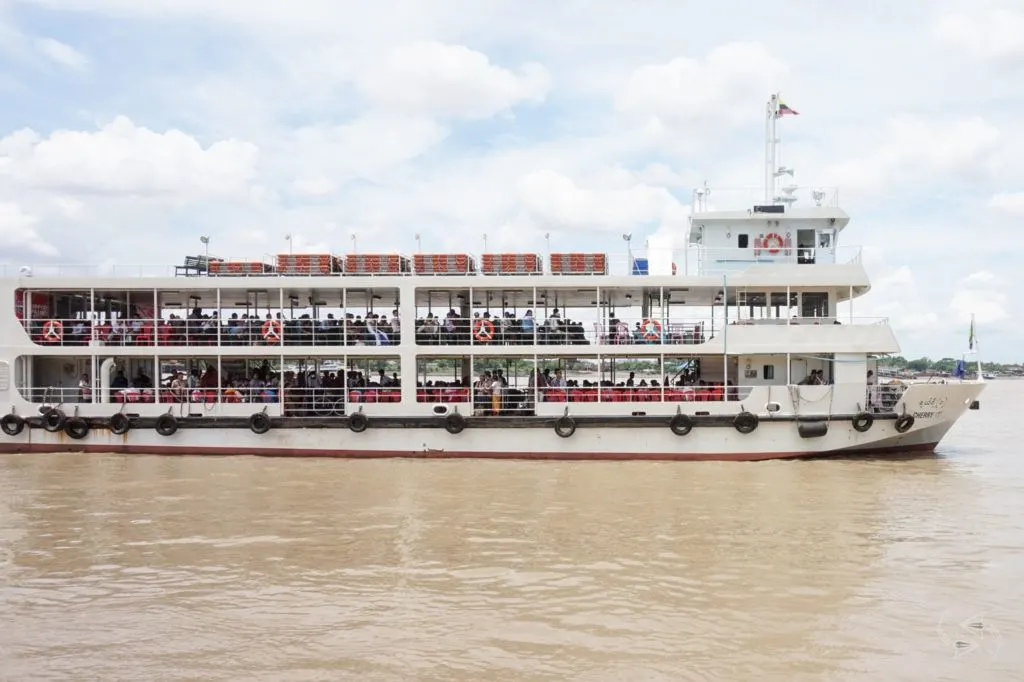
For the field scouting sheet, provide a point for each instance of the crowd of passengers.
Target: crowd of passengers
(551, 386)
(302, 390)
(201, 329)
(240, 329)
(507, 329)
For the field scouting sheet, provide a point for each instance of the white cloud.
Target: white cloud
(913, 151)
(367, 147)
(313, 187)
(981, 277)
(686, 91)
(18, 231)
(895, 294)
(558, 201)
(979, 294)
(434, 79)
(984, 31)
(62, 54)
(122, 158)
(517, 119)
(1010, 203)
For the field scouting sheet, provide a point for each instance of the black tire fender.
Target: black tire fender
(120, 424)
(863, 421)
(745, 422)
(166, 425)
(76, 428)
(12, 424)
(358, 422)
(905, 423)
(259, 423)
(681, 424)
(565, 426)
(454, 423)
(54, 420)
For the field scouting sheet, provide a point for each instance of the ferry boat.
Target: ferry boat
(731, 348)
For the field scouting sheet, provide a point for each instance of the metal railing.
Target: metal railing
(208, 332)
(686, 260)
(453, 331)
(884, 397)
(711, 199)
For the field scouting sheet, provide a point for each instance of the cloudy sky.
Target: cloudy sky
(131, 127)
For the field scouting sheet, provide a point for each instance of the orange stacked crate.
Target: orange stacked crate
(579, 264)
(307, 264)
(376, 264)
(443, 264)
(239, 268)
(510, 264)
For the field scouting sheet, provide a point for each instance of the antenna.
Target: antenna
(787, 195)
(818, 197)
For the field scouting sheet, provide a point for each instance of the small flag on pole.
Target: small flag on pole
(785, 110)
(970, 338)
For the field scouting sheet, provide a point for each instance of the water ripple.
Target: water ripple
(121, 568)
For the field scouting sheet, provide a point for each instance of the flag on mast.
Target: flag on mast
(970, 338)
(785, 110)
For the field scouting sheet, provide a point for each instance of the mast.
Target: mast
(775, 110)
(973, 343)
(771, 140)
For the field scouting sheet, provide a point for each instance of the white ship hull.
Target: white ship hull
(936, 407)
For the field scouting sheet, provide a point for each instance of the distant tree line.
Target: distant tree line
(926, 364)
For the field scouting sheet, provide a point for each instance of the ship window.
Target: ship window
(769, 372)
(814, 304)
(742, 241)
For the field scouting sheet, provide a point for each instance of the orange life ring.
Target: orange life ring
(272, 331)
(652, 330)
(779, 243)
(53, 330)
(483, 330)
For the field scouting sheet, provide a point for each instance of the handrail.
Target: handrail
(687, 260)
(454, 331)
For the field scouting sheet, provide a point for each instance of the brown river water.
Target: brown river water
(243, 568)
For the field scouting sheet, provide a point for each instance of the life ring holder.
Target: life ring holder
(358, 422)
(681, 424)
(863, 421)
(773, 250)
(565, 426)
(454, 423)
(271, 331)
(12, 424)
(745, 422)
(483, 330)
(904, 423)
(652, 330)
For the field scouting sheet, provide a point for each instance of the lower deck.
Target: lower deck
(475, 385)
